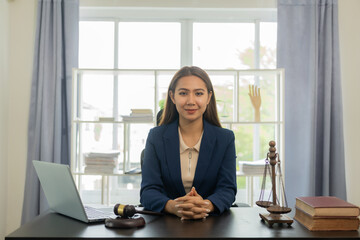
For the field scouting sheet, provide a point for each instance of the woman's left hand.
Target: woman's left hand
(193, 206)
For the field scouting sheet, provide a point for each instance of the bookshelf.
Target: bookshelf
(102, 120)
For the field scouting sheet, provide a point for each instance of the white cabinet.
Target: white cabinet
(102, 103)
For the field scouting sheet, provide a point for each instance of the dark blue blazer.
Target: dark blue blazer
(215, 174)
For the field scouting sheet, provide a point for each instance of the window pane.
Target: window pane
(96, 137)
(246, 141)
(91, 189)
(94, 102)
(252, 143)
(149, 45)
(136, 90)
(268, 38)
(223, 45)
(163, 81)
(96, 44)
(241, 195)
(267, 84)
(125, 189)
(223, 83)
(137, 138)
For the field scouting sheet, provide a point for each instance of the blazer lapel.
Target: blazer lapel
(206, 149)
(172, 152)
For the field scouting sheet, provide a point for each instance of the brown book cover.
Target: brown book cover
(327, 206)
(326, 223)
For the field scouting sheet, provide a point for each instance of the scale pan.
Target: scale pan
(278, 209)
(264, 204)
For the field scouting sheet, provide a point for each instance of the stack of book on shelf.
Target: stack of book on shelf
(139, 115)
(101, 162)
(325, 213)
(252, 168)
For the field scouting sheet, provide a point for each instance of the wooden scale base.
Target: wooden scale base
(272, 218)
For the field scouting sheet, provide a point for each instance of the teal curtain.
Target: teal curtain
(56, 53)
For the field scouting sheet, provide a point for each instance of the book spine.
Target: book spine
(326, 223)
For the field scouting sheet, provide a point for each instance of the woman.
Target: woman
(189, 167)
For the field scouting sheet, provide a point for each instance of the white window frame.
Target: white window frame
(186, 17)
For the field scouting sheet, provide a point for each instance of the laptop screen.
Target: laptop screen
(60, 189)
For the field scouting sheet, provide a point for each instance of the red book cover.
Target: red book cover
(327, 206)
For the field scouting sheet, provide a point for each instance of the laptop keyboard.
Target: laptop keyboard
(94, 213)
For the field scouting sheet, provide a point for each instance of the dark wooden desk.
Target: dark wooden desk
(237, 223)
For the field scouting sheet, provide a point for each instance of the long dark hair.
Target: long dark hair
(170, 113)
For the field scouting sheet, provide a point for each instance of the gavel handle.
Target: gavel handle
(149, 212)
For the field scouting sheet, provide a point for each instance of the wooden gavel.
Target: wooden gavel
(129, 211)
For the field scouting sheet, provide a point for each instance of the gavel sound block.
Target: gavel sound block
(126, 217)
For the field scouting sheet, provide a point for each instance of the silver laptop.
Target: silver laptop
(62, 195)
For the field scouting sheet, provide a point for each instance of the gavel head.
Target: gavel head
(124, 210)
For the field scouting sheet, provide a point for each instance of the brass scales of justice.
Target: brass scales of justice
(277, 207)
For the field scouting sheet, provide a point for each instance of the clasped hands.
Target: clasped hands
(191, 206)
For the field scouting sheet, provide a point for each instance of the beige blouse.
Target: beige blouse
(188, 161)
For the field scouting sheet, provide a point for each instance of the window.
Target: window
(166, 40)
(96, 44)
(149, 45)
(220, 45)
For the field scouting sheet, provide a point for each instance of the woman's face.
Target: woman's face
(191, 98)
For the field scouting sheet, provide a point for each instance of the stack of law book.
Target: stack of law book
(101, 162)
(139, 115)
(326, 213)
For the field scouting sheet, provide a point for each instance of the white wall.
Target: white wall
(22, 19)
(350, 66)
(15, 94)
(3, 113)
